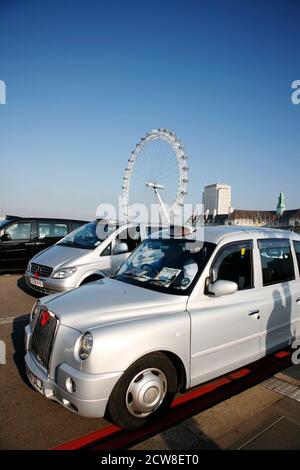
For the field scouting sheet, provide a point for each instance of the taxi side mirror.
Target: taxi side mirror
(222, 287)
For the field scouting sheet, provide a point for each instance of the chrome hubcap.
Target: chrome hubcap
(146, 392)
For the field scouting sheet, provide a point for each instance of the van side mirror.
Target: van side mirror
(121, 248)
(222, 287)
(6, 237)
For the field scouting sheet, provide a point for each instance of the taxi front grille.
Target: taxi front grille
(42, 339)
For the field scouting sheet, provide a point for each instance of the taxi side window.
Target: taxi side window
(276, 261)
(234, 263)
(297, 250)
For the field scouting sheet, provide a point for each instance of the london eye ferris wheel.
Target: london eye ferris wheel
(156, 172)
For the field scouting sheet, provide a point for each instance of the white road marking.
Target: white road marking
(4, 321)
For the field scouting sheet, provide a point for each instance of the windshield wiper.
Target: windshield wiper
(133, 276)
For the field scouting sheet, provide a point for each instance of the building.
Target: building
(288, 219)
(252, 217)
(279, 218)
(217, 211)
(217, 199)
(281, 205)
(2, 214)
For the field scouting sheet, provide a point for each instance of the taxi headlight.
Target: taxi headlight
(35, 310)
(85, 346)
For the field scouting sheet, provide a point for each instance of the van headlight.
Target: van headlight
(85, 346)
(62, 273)
(35, 310)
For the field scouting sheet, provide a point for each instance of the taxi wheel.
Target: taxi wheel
(145, 391)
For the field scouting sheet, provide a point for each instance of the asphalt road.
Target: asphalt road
(27, 419)
(30, 421)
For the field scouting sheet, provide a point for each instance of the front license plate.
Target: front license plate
(36, 282)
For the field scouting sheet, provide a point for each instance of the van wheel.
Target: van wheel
(145, 390)
(91, 279)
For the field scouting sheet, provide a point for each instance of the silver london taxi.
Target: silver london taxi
(180, 311)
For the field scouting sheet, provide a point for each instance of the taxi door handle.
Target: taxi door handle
(254, 313)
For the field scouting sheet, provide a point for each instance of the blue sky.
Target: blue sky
(87, 79)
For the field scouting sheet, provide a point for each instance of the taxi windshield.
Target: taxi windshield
(170, 265)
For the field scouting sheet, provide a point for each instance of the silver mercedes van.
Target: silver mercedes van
(93, 251)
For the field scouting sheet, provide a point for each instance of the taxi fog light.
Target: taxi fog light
(70, 385)
(69, 405)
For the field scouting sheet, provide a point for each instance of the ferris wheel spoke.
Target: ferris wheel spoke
(166, 177)
(170, 172)
(167, 163)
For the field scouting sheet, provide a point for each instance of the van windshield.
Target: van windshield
(89, 236)
(172, 265)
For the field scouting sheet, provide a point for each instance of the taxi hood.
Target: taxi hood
(109, 301)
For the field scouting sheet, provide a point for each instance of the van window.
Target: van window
(297, 250)
(150, 229)
(52, 230)
(106, 251)
(234, 263)
(76, 225)
(3, 222)
(19, 231)
(131, 236)
(276, 261)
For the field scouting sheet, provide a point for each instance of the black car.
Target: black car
(21, 238)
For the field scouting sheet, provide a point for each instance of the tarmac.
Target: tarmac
(264, 417)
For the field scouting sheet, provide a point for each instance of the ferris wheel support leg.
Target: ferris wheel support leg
(162, 208)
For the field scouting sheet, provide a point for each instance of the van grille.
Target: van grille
(42, 339)
(44, 271)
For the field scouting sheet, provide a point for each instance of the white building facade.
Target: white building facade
(217, 199)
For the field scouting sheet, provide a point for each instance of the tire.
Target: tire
(157, 376)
